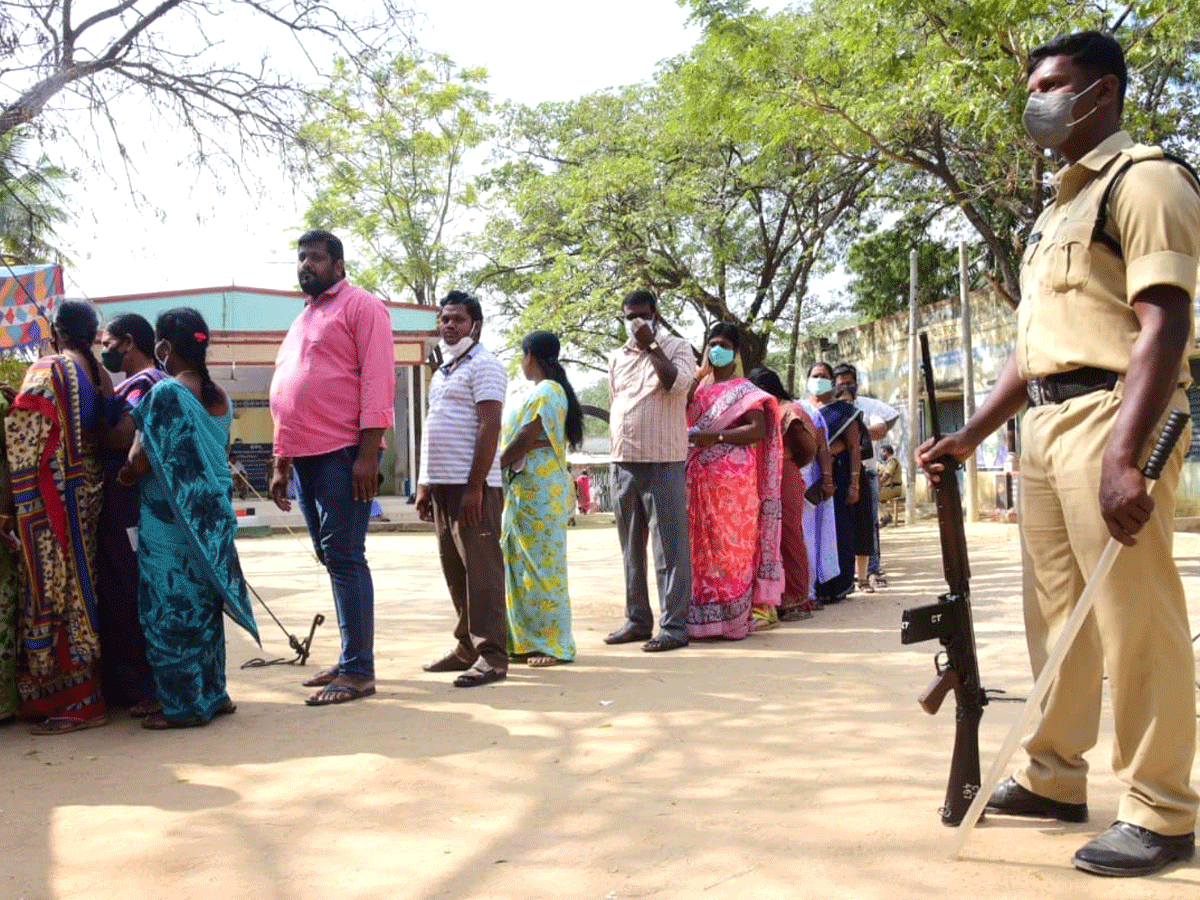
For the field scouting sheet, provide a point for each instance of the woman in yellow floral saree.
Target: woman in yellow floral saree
(538, 495)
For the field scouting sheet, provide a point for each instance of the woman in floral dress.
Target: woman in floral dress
(538, 495)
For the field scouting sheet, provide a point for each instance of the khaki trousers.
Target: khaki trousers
(1138, 630)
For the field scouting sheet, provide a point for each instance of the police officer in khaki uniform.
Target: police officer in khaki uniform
(1102, 331)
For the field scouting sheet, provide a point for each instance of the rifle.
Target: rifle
(949, 620)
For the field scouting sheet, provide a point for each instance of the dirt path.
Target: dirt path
(793, 764)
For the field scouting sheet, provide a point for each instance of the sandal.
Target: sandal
(662, 644)
(333, 694)
(67, 724)
(145, 708)
(156, 721)
(865, 586)
(321, 678)
(542, 660)
(795, 614)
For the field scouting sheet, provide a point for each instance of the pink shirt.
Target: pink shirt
(334, 374)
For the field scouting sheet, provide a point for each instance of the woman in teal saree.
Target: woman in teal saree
(187, 560)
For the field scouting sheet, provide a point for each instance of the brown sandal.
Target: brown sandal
(158, 722)
(321, 678)
(67, 724)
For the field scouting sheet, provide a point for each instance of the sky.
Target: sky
(197, 231)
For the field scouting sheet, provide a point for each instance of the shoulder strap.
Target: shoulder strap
(1131, 156)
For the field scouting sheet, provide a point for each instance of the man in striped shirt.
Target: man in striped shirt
(648, 378)
(459, 489)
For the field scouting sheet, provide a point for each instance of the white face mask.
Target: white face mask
(1048, 116)
(451, 352)
(632, 325)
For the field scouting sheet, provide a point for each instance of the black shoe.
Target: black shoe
(1011, 799)
(477, 677)
(1127, 850)
(627, 634)
(663, 643)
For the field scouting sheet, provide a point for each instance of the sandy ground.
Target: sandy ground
(793, 764)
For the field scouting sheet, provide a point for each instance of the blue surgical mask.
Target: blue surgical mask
(720, 356)
(819, 386)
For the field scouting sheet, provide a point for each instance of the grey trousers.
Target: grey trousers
(650, 502)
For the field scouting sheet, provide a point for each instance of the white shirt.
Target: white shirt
(448, 445)
(876, 412)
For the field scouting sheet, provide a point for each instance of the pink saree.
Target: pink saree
(734, 513)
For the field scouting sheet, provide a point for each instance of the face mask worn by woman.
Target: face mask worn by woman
(1048, 116)
(818, 386)
(720, 356)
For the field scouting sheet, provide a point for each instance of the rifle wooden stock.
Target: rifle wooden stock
(949, 620)
(944, 683)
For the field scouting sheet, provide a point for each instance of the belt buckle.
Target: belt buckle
(1037, 396)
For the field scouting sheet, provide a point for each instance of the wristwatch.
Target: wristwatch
(653, 345)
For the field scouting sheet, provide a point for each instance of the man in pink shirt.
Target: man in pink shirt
(332, 397)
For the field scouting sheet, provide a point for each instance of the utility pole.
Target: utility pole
(910, 464)
(971, 473)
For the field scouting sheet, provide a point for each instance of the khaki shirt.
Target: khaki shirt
(646, 422)
(1076, 295)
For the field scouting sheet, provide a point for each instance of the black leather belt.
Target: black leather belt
(1064, 386)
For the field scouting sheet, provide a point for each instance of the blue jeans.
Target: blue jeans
(337, 524)
(873, 492)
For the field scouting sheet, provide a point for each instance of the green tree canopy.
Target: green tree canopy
(387, 141)
(31, 202)
(680, 186)
(934, 89)
(878, 265)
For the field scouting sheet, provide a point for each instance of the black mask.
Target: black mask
(112, 359)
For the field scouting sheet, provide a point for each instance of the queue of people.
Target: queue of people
(118, 558)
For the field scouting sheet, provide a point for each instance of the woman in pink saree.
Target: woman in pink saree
(733, 487)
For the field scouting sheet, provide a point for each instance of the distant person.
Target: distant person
(128, 348)
(583, 491)
(799, 449)
(54, 428)
(239, 477)
(877, 420)
(332, 398)
(459, 490)
(819, 523)
(1104, 330)
(649, 377)
(843, 423)
(189, 572)
(538, 499)
(734, 507)
(891, 479)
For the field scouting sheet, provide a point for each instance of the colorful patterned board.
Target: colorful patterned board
(27, 297)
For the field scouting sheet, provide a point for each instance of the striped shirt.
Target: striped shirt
(448, 445)
(648, 423)
(334, 373)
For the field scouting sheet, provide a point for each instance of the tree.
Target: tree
(169, 54)
(878, 265)
(31, 202)
(933, 90)
(387, 141)
(679, 186)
